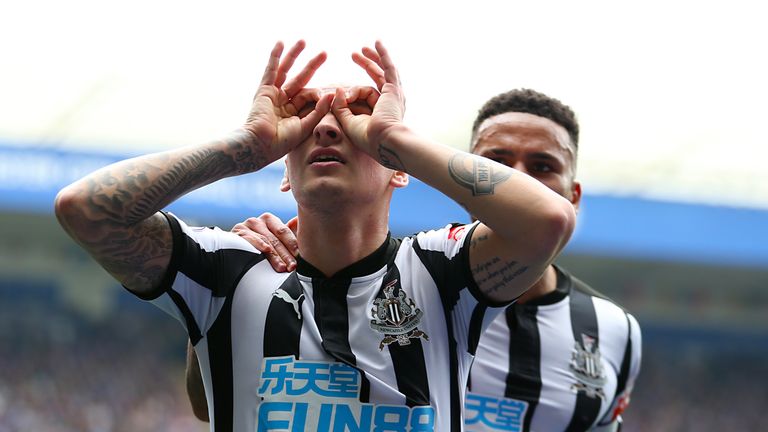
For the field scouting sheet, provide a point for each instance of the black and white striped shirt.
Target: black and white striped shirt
(566, 361)
(384, 344)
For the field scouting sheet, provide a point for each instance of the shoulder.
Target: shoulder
(208, 239)
(449, 238)
(609, 312)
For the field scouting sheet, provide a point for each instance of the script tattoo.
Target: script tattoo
(390, 159)
(481, 177)
(495, 274)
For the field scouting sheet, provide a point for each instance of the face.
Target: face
(327, 169)
(534, 145)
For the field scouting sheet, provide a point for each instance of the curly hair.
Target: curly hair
(531, 102)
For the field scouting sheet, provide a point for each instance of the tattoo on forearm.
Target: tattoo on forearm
(390, 159)
(495, 274)
(246, 158)
(481, 177)
(117, 220)
(133, 255)
(191, 171)
(135, 190)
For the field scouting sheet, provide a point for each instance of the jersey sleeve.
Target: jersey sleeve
(627, 376)
(206, 266)
(445, 254)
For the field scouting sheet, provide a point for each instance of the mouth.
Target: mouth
(326, 157)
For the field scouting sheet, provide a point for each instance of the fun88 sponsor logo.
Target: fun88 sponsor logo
(483, 413)
(302, 395)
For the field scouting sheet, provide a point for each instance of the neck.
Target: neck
(331, 241)
(545, 285)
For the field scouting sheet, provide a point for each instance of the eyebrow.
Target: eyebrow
(537, 155)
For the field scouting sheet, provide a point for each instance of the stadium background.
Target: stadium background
(674, 222)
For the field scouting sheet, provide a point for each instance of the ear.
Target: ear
(285, 184)
(576, 195)
(399, 179)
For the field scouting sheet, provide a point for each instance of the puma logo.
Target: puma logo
(281, 293)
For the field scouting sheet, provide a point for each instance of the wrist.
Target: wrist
(249, 151)
(390, 145)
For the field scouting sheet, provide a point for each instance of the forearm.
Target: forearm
(524, 224)
(112, 212)
(509, 202)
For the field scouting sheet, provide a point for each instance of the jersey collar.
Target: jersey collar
(562, 289)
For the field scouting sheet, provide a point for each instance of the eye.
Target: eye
(359, 108)
(306, 109)
(541, 167)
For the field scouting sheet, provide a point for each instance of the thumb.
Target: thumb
(293, 224)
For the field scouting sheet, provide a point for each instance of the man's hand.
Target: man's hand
(270, 236)
(274, 119)
(369, 132)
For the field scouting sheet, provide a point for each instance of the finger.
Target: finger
(285, 244)
(362, 93)
(263, 245)
(372, 54)
(372, 98)
(249, 229)
(371, 68)
(304, 98)
(340, 108)
(311, 120)
(302, 79)
(270, 73)
(390, 71)
(293, 224)
(287, 62)
(285, 235)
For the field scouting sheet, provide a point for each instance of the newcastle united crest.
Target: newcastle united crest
(397, 317)
(587, 367)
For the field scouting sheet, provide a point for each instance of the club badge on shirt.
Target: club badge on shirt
(587, 366)
(397, 317)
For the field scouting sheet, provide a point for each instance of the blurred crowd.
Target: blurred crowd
(61, 372)
(700, 387)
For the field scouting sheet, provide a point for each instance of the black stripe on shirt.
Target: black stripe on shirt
(282, 327)
(524, 377)
(449, 285)
(623, 377)
(407, 360)
(476, 328)
(218, 271)
(584, 322)
(193, 330)
(220, 360)
(332, 319)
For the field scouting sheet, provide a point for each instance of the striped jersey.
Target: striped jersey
(383, 345)
(566, 361)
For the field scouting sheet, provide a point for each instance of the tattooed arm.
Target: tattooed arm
(524, 223)
(113, 212)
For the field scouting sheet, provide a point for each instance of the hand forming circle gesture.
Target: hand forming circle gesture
(369, 132)
(273, 120)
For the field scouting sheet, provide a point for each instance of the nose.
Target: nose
(520, 166)
(328, 131)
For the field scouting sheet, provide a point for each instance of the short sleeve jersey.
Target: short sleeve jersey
(383, 345)
(566, 361)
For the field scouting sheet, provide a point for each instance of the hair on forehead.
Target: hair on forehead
(531, 102)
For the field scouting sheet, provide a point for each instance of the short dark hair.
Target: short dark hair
(531, 102)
